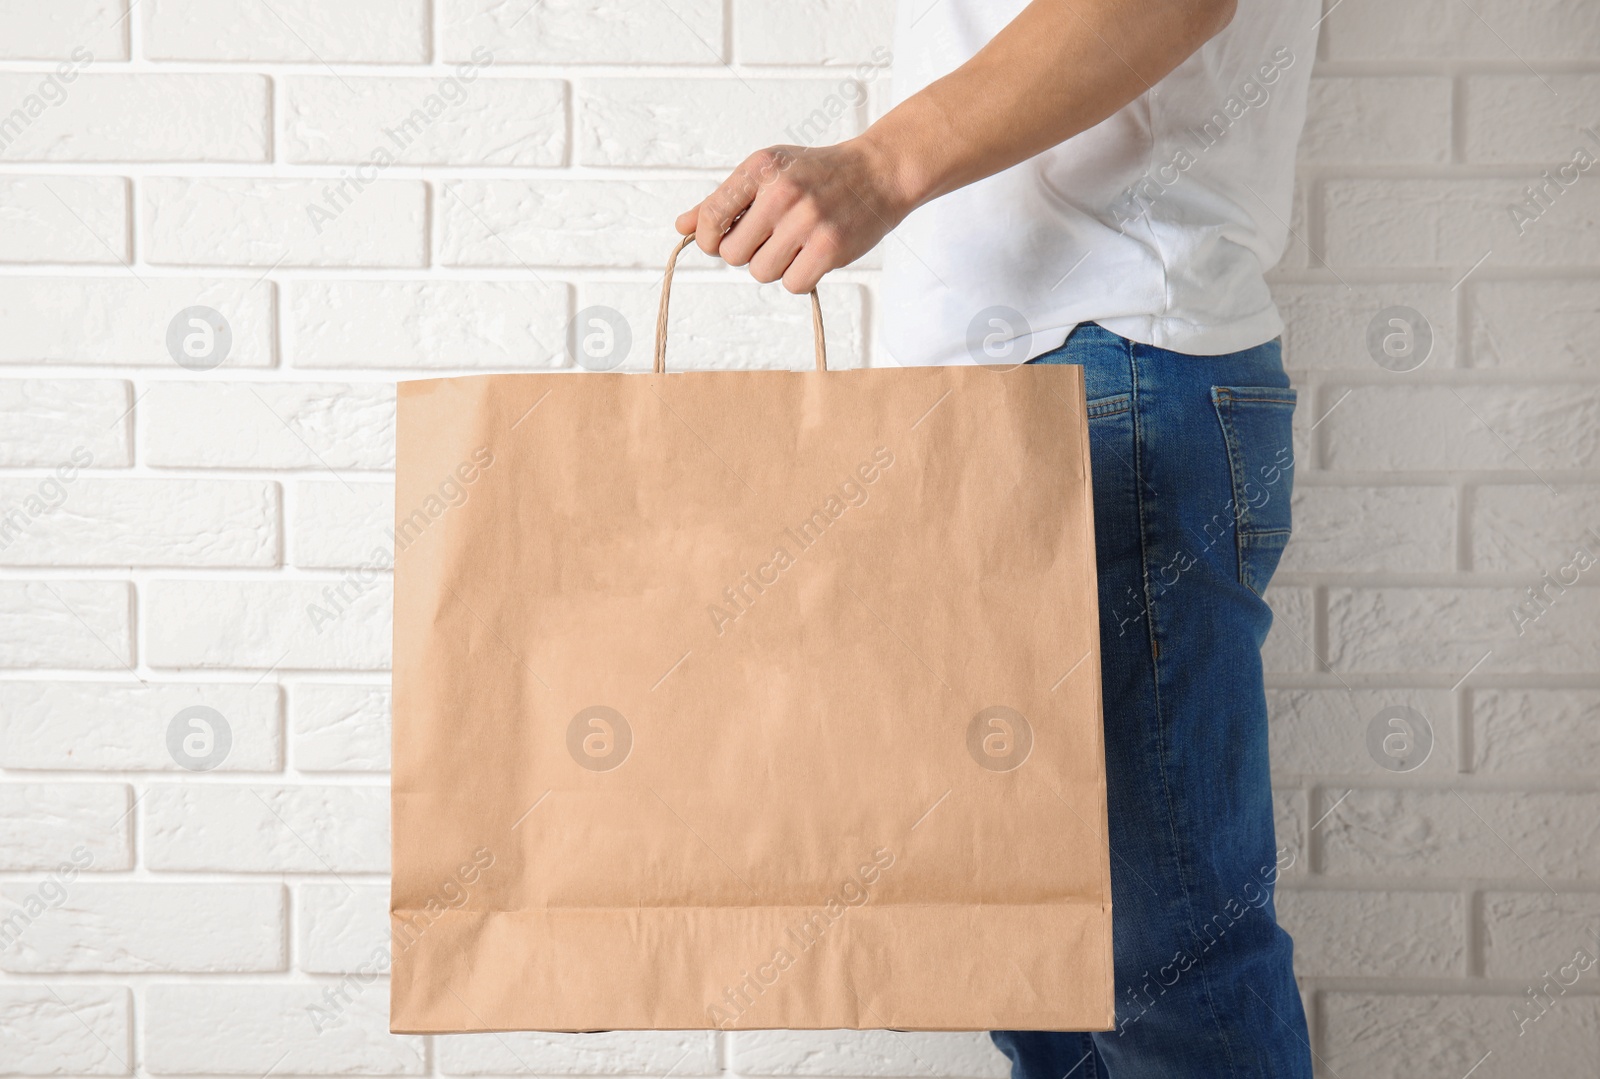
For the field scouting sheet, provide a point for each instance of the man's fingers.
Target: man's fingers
(721, 210)
(770, 263)
(749, 232)
(688, 220)
(814, 259)
(718, 211)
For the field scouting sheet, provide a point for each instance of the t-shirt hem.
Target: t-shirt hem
(1176, 335)
(1173, 335)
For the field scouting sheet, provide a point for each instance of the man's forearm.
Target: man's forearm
(1059, 68)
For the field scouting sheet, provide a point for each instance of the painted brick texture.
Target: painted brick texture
(364, 191)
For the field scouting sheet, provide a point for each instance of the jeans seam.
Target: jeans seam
(1108, 406)
(1155, 673)
(1222, 404)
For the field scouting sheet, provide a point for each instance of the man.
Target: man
(1104, 182)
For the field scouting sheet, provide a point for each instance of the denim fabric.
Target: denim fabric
(1193, 463)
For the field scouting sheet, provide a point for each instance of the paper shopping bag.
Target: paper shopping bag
(746, 700)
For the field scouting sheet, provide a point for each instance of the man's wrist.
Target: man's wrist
(904, 179)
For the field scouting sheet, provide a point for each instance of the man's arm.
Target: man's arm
(1059, 67)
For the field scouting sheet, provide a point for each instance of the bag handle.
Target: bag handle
(666, 291)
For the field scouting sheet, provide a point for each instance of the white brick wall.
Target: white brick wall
(369, 190)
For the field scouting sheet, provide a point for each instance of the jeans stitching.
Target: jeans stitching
(1161, 747)
(1109, 406)
(1222, 402)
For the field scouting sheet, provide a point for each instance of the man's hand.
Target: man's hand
(796, 212)
(1053, 71)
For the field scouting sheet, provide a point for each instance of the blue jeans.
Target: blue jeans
(1193, 464)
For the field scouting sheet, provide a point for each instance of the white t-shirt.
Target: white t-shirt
(1157, 223)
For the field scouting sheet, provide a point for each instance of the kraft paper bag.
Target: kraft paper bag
(748, 700)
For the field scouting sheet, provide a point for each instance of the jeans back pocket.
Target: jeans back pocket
(1257, 427)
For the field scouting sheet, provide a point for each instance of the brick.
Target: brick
(52, 31)
(305, 425)
(1437, 222)
(338, 526)
(143, 928)
(266, 625)
(1536, 732)
(341, 929)
(300, 31)
(455, 119)
(1503, 336)
(865, 1053)
(243, 1029)
(42, 825)
(1503, 30)
(66, 1029)
(1527, 119)
(1529, 935)
(735, 325)
(1447, 428)
(120, 727)
(880, 98)
(64, 219)
(1448, 630)
(346, 221)
(1358, 934)
(121, 320)
(143, 117)
(1297, 252)
(340, 728)
(519, 223)
(1314, 402)
(1289, 821)
(1291, 642)
(1325, 325)
(572, 32)
(503, 325)
(55, 623)
(138, 522)
(813, 32)
(1527, 530)
(1395, 1036)
(680, 1052)
(1373, 119)
(46, 422)
(1371, 529)
(1531, 838)
(1324, 731)
(299, 829)
(705, 123)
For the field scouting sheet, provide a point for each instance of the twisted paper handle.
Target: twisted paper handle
(666, 292)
